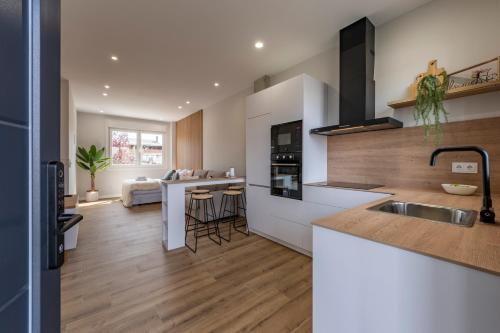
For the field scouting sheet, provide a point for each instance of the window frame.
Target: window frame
(138, 153)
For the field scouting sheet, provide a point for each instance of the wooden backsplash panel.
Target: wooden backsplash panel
(401, 157)
(189, 142)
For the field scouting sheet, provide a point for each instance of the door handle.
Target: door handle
(70, 220)
(284, 164)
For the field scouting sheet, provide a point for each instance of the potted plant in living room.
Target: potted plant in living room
(92, 160)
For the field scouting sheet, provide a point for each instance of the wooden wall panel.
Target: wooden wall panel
(401, 157)
(189, 142)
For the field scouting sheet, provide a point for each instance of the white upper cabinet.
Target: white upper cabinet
(259, 103)
(258, 150)
(287, 101)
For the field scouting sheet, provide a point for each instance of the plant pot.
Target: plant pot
(91, 196)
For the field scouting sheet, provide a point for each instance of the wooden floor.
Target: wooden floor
(120, 279)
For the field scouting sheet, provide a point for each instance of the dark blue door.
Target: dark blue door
(29, 137)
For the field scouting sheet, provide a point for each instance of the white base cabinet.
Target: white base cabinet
(363, 286)
(289, 221)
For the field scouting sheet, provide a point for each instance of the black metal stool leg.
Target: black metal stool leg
(246, 232)
(188, 215)
(218, 242)
(195, 230)
(221, 216)
(215, 219)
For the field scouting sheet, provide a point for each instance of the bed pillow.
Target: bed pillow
(168, 175)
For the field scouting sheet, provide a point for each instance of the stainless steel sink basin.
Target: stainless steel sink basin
(461, 217)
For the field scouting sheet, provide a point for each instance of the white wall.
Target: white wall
(224, 134)
(68, 137)
(458, 33)
(93, 129)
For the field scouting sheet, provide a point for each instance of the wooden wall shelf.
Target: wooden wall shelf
(453, 93)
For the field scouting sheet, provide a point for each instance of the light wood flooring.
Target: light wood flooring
(120, 279)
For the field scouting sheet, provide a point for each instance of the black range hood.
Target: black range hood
(357, 87)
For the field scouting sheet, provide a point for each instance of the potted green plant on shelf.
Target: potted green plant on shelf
(429, 109)
(92, 160)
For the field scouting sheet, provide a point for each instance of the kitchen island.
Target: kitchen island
(173, 207)
(382, 272)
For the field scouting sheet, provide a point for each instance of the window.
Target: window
(151, 149)
(134, 148)
(123, 147)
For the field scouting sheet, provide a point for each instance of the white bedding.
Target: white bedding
(130, 185)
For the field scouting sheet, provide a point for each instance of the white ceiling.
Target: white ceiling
(171, 51)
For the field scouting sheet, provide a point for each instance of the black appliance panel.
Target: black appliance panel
(286, 175)
(286, 137)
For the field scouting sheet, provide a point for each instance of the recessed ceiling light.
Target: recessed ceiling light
(114, 58)
(107, 86)
(216, 84)
(105, 94)
(188, 102)
(259, 44)
(179, 107)
(101, 111)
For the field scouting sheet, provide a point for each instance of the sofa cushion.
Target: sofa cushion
(168, 175)
(183, 177)
(216, 174)
(200, 173)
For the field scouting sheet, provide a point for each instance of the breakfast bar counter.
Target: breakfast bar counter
(173, 206)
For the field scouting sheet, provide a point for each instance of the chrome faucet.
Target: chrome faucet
(487, 214)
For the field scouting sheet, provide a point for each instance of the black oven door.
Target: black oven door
(286, 180)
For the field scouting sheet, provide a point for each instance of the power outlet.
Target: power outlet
(464, 167)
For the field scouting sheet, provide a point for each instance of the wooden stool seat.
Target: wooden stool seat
(200, 191)
(202, 196)
(236, 188)
(232, 192)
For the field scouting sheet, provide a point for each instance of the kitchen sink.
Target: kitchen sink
(461, 217)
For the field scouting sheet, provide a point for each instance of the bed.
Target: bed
(138, 192)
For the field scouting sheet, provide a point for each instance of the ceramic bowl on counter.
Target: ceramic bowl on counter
(459, 189)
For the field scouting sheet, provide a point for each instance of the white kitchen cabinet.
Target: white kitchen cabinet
(259, 103)
(257, 208)
(258, 150)
(337, 197)
(289, 221)
(298, 211)
(287, 101)
(365, 286)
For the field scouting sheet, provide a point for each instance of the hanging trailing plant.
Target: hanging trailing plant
(429, 109)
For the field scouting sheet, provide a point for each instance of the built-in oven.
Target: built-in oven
(286, 160)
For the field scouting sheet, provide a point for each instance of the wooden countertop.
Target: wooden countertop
(477, 247)
(205, 180)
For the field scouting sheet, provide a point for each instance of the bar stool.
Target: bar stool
(233, 197)
(243, 193)
(207, 200)
(197, 209)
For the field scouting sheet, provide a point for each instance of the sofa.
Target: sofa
(148, 190)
